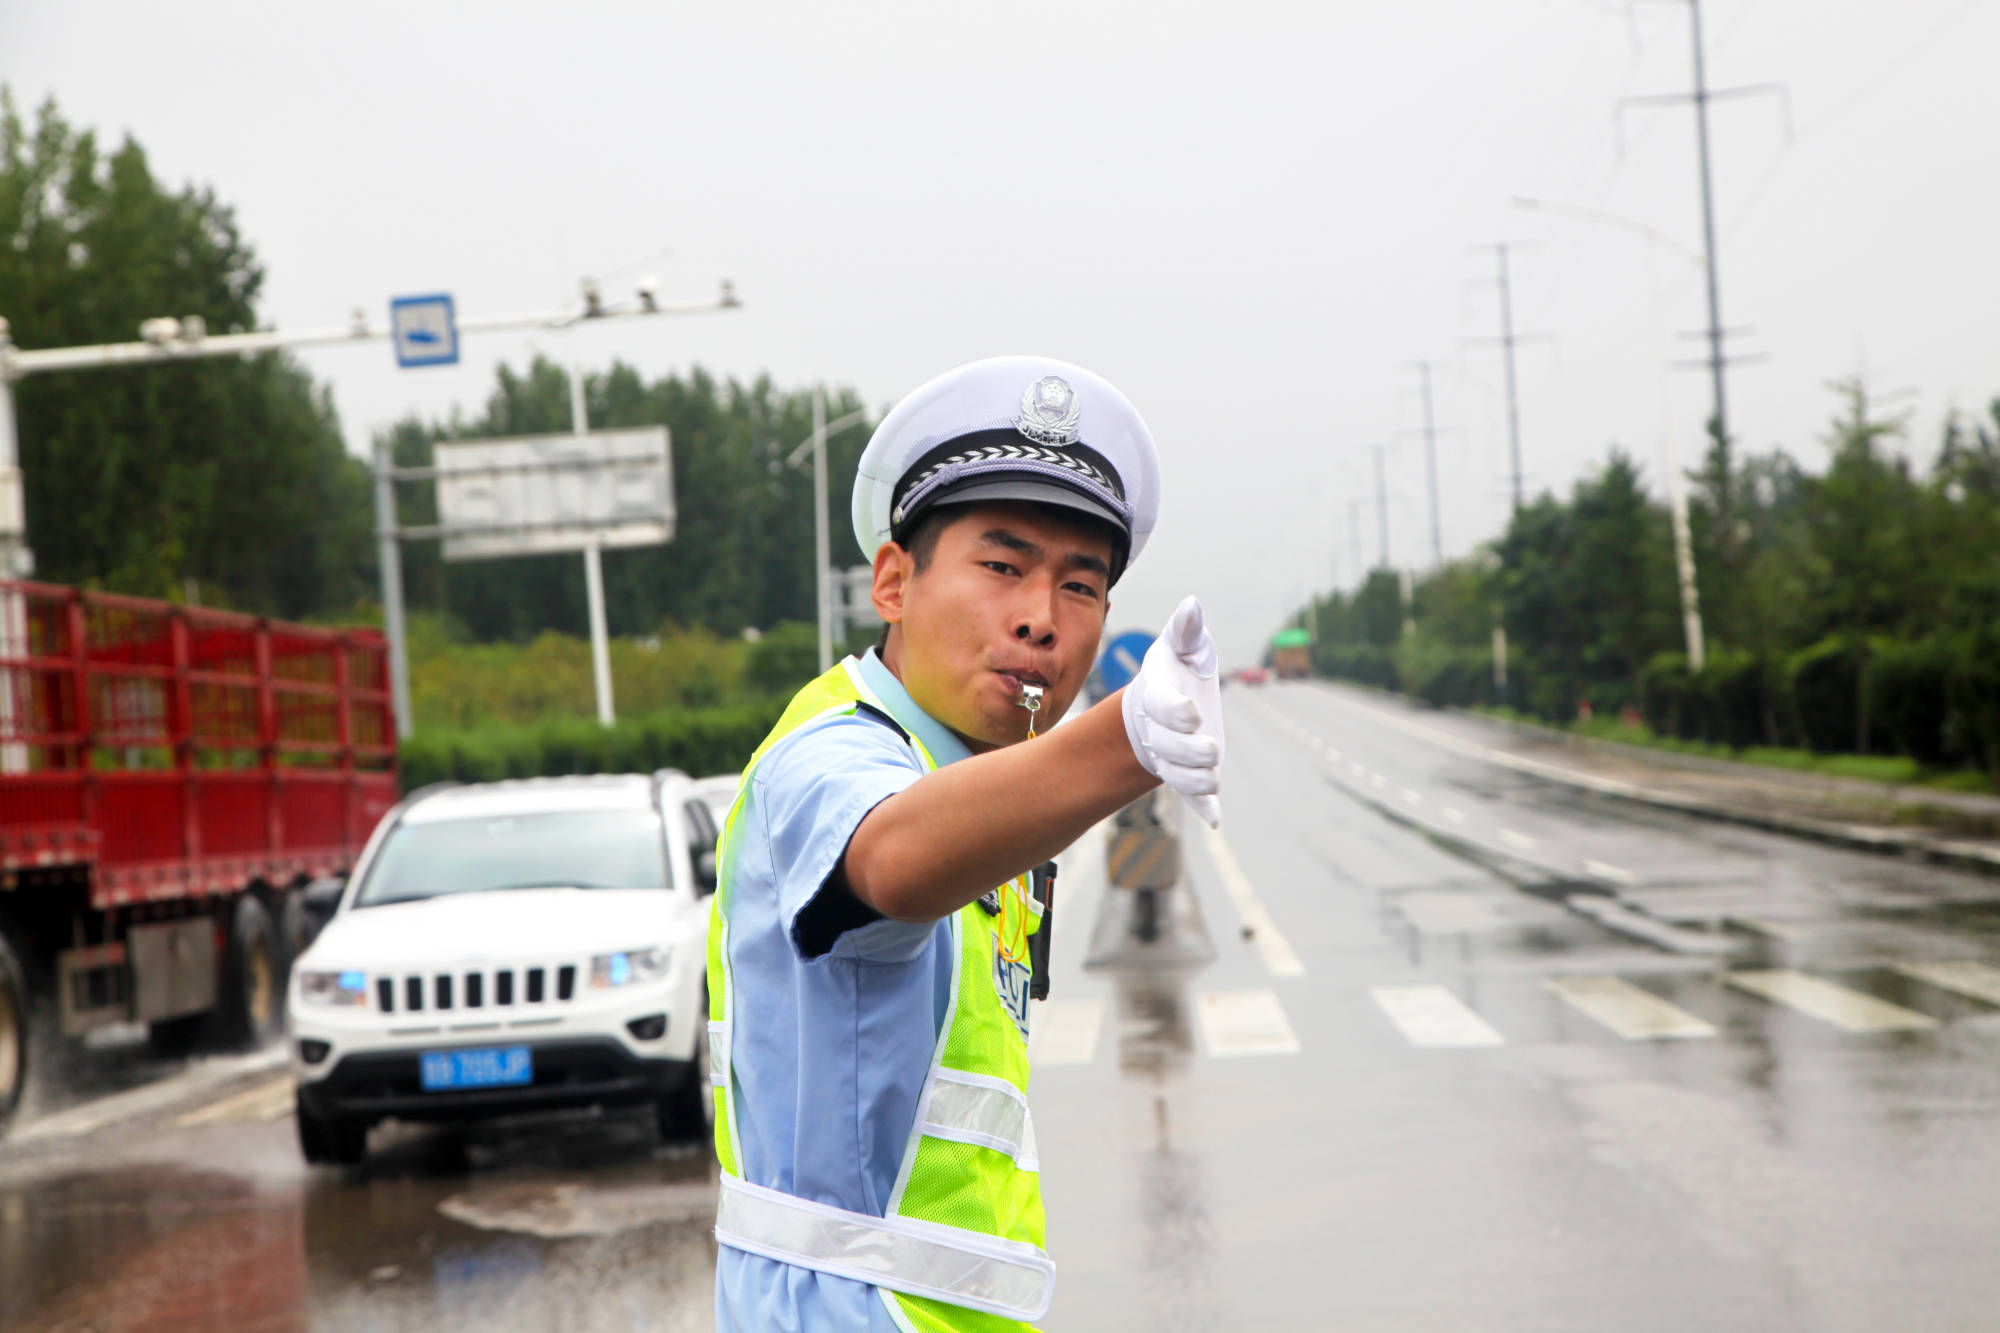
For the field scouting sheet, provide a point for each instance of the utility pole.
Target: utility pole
(1382, 505)
(1354, 534)
(1503, 279)
(1701, 96)
(1507, 355)
(1431, 466)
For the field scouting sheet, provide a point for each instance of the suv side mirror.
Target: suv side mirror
(705, 873)
(322, 896)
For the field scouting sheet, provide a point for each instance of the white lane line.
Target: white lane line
(1065, 1032)
(1632, 1013)
(1245, 1022)
(1333, 754)
(1378, 781)
(1846, 1009)
(1605, 870)
(1520, 842)
(1453, 813)
(1279, 957)
(1412, 796)
(95, 1115)
(1354, 767)
(1964, 977)
(1433, 1016)
(266, 1101)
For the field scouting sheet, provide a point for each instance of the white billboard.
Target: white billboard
(542, 493)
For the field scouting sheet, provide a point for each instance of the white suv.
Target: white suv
(512, 946)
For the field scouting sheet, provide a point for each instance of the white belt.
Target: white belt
(950, 1264)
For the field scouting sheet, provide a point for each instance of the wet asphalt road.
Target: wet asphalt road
(1511, 1059)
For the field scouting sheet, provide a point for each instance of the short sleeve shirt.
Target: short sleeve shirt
(829, 1051)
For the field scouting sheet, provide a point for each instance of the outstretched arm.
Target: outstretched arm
(941, 842)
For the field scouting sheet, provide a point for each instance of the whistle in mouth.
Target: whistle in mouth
(1031, 699)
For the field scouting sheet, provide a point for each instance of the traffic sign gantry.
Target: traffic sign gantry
(1121, 659)
(425, 329)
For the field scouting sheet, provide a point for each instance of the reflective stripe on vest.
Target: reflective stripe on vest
(972, 1142)
(924, 1259)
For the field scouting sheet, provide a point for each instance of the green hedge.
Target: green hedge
(697, 741)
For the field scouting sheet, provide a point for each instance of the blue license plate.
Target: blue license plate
(491, 1067)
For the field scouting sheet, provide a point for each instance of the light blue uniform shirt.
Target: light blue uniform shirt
(830, 1053)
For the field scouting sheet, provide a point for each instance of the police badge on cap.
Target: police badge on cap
(1023, 429)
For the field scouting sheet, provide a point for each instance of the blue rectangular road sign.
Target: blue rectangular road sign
(425, 330)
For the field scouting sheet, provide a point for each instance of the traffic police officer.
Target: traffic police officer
(868, 952)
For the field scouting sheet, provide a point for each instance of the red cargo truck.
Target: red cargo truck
(171, 780)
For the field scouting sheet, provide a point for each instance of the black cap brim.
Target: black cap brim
(1029, 490)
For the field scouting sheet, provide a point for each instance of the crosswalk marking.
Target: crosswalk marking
(1445, 913)
(1433, 1016)
(1245, 1022)
(1976, 980)
(1846, 1009)
(1629, 1011)
(1279, 956)
(1065, 1032)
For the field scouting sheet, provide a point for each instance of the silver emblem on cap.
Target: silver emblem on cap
(1050, 411)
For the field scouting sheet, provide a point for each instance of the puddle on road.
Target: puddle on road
(580, 1224)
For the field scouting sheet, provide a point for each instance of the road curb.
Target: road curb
(1981, 858)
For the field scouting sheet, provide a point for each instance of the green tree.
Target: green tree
(230, 472)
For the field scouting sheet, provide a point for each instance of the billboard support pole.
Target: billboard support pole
(593, 572)
(390, 556)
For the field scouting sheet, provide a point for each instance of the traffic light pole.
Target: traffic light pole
(169, 340)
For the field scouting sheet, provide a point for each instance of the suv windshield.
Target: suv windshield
(594, 849)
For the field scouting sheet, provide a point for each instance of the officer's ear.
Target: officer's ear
(894, 568)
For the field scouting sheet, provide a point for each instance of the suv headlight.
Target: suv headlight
(336, 989)
(628, 967)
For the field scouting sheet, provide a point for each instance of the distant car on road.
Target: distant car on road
(512, 946)
(1255, 675)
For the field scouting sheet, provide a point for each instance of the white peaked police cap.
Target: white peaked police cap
(1011, 428)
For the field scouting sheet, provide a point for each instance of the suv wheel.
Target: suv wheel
(688, 1112)
(329, 1142)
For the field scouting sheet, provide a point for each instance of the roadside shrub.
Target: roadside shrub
(1825, 690)
(1666, 695)
(698, 741)
(786, 658)
(1972, 692)
(1907, 686)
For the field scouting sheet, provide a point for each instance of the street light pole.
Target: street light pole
(167, 340)
(822, 540)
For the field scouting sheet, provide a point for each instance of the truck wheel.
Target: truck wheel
(688, 1112)
(14, 1030)
(330, 1142)
(251, 1007)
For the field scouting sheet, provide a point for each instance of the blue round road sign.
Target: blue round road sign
(1121, 659)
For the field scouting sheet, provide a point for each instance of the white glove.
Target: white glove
(1173, 712)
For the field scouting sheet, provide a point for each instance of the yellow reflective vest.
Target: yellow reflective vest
(959, 1247)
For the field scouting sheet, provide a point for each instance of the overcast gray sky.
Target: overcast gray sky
(1251, 217)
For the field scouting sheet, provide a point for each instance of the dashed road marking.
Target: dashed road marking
(1279, 957)
(1333, 754)
(1433, 1016)
(1520, 842)
(1605, 870)
(1846, 1009)
(1245, 1022)
(1453, 813)
(1377, 781)
(1629, 1011)
(1065, 1032)
(1962, 977)
(1355, 768)
(1413, 796)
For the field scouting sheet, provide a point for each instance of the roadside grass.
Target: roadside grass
(1887, 769)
